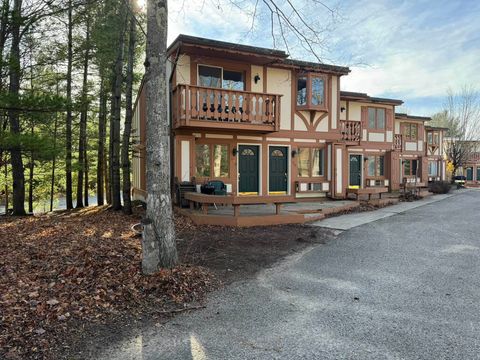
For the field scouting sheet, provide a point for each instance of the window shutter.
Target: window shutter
(389, 115)
(364, 117)
(421, 132)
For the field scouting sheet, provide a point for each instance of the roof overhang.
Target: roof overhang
(402, 116)
(363, 97)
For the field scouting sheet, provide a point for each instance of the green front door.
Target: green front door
(248, 169)
(355, 171)
(278, 169)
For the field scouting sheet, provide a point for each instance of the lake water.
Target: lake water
(44, 206)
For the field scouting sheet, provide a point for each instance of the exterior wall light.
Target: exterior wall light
(234, 152)
(256, 78)
(294, 153)
(342, 109)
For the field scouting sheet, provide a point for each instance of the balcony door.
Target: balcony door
(248, 169)
(218, 77)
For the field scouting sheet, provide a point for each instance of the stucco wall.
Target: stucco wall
(279, 81)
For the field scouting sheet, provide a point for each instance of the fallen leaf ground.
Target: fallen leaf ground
(66, 272)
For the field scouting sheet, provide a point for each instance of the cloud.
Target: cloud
(412, 50)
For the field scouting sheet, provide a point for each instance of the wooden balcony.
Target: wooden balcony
(351, 130)
(397, 142)
(203, 107)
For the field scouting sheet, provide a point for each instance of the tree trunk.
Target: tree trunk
(30, 180)
(158, 241)
(68, 133)
(127, 201)
(85, 195)
(54, 160)
(108, 191)
(102, 120)
(82, 140)
(6, 185)
(115, 118)
(13, 115)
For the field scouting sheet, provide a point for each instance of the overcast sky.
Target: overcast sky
(411, 50)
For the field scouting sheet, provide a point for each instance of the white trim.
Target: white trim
(185, 160)
(329, 163)
(240, 137)
(339, 171)
(218, 136)
(260, 156)
(305, 140)
(289, 167)
(277, 139)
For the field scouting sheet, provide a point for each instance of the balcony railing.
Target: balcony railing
(351, 130)
(197, 106)
(397, 142)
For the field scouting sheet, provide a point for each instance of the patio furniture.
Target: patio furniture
(368, 191)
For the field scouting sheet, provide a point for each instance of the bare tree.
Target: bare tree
(462, 118)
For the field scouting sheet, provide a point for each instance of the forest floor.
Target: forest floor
(71, 280)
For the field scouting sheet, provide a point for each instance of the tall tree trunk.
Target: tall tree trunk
(115, 118)
(108, 191)
(13, 115)
(102, 120)
(82, 140)
(127, 201)
(158, 241)
(31, 166)
(6, 185)
(54, 160)
(85, 194)
(68, 134)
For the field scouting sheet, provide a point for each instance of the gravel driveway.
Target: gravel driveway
(403, 287)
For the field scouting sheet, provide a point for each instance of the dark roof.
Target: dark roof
(325, 67)
(436, 128)
(412, 117)
(194, 40)
(367, 98)
(279, 56)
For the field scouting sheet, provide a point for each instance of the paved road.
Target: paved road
(403, 287)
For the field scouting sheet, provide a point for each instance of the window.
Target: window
(311, 162)
(311, 93)
(318, 91)
(432, 168)
(430, 138)
(375, 166)
(410, 132)
(302, 91)
(409, 167)
(214, 157)
(220, 160)
(376, 118)
(202, 160)
(217, 77)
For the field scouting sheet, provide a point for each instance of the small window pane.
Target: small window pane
(430, 138)
(209, 76)
(381, 118)
(414, 167)
(318, 91)
(414, 132)
(371, 166)
(303, 162)
(220, 160)
(435, 139)
(371, 118)
(317, 162)
(233, 80)
(406, 167)
(277, 153)
(380, 166)
(202, 160)
(302, 91)
(432, 168)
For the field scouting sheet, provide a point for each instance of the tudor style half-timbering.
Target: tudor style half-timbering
(270, 127)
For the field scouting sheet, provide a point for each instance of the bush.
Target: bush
(440, 187)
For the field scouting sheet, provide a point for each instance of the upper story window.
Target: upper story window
(217, 77)
(410, 132)
(432, 138)
(376, 118)
(311, 93)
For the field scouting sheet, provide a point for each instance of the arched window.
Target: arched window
(247, 152)
(277, 153)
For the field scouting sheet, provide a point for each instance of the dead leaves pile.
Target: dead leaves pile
(78, 266)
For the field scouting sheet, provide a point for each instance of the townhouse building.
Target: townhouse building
(274, 129)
